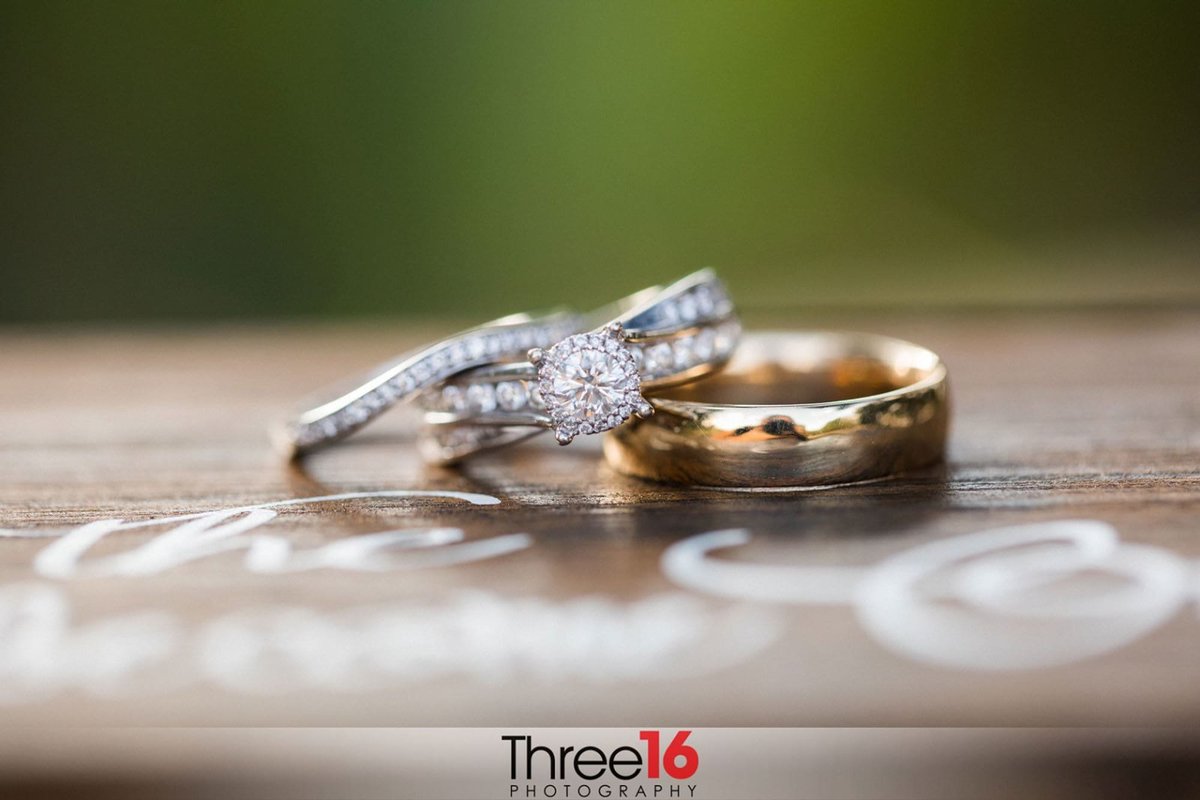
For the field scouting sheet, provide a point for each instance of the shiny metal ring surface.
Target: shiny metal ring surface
(792, 410)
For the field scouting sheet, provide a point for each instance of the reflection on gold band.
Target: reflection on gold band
(795, 409)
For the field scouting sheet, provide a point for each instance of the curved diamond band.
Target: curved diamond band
(586, 383)
(338, 413)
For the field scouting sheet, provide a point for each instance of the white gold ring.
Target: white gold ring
(587, 383)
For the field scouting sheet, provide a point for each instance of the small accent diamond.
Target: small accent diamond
(726, 338)
(510, 395)
(481, 397)
(702, 345)
(658, 359)
(421, 371)
(453, 398)
(388, 393)
(404, 383)
(683, 353)
(688, 308)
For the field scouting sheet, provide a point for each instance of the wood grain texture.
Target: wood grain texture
(1057, 414)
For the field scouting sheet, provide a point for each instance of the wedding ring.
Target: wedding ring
(590, 382)
(794, 410)
(338, 412)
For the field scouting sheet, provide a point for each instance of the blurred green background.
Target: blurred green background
(170, 160)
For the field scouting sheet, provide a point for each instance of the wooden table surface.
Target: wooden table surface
(561, 611)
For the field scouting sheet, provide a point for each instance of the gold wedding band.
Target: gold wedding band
(794, 409)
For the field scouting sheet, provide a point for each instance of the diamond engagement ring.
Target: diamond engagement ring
(341, 411)
(590, 382)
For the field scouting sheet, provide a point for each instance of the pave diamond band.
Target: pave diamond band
(340, 413)
(586, 383)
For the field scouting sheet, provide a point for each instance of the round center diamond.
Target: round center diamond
(589, 384)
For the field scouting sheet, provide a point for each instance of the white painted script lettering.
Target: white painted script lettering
(191, 537)
(482, 636)
(1020, 597)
